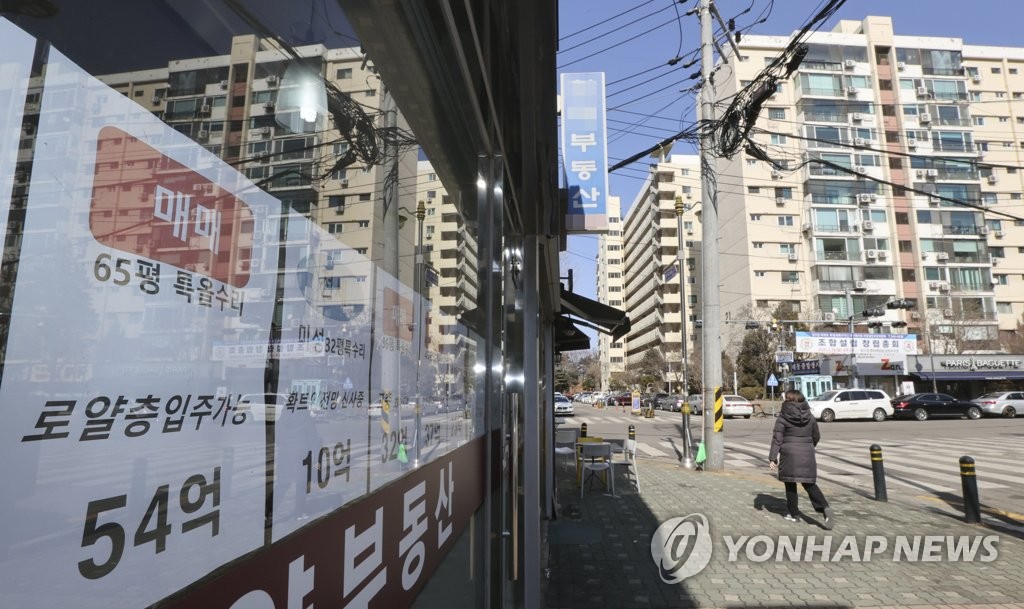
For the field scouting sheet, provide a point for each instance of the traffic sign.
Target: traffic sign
(772, 381)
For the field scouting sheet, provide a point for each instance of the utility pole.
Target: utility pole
(714, 443)
(853, 351)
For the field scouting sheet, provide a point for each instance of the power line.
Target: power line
(612, 18)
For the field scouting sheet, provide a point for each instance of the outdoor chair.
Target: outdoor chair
(596, 457)
(629, 461)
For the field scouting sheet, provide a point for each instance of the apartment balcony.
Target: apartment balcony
(823, 66)
(816, 92)
(837, 256)
(970, 286)
(825, 117)
(948, 174)
(964, 231)
(836, 228)
(939, 145)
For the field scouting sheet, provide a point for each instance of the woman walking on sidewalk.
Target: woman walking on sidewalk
(792, 454)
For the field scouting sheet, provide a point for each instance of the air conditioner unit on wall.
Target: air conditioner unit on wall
(793, 257)
(922, 91)
(947, 313)
(857, 117)
(860, 285)
(982, 230)
(850, 64)
(780, 201)
(992, 179)
(867, 225)
(870, 254)
(942, 256)
(901, 65)
(882, 254)
(911, 142)
(924, 117)
(272, 80)
(828, 316)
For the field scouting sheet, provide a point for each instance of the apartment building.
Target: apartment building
(657, 292)
(610, 254)
(896, 158)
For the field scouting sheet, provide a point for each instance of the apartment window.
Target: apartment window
(1004, 119)
(343, 73)
(755, 217)
(902, 217)
(362, 250)
(790, 277)
(785, 220)
(786, 248)
(616, 360)
(615, 288)
(997, 70)
(997, 252)
(906, 247)
(1001, 279)
(612, 261)
(337, 202)
(371, 92)
(758, 245)
(363, 224)
(908, 275)
(364, 196)
(979, 120)
(753, 190)
(1011, 170)
(1015, 195)
(777, 114)
(778, 139)
(1018, 95)
(758, 273)
(1004, 307)
(784, 192)
(885, 84)
(975, 96)
(1000, 95)
(989, 198)
(615, 303)
(614, 248)
(1013, 70)
(614, 275)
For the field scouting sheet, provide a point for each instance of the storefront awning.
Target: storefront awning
(596, 315)
(970, 375)
(568, 337)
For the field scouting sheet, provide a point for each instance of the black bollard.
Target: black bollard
(878, 472)
(583, 430)
(632, 432)
(969, 482)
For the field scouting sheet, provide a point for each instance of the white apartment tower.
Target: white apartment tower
(610, 291)
(896, 156)
(651, 248)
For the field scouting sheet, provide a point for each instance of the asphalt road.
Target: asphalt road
(921, 458)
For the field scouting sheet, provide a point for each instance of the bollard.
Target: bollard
(878, 472)
(969, 482)
(632, 432)
(583, 430)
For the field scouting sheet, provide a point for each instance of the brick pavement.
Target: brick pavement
(598, 551)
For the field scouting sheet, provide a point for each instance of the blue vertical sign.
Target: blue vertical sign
(585, 151)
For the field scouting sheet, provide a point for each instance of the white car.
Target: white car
(1001, 403)
(851, 404)
(736, 406)
(563, 406)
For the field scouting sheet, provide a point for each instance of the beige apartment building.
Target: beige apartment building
(920, 142)
(651, 249)
(610, 252)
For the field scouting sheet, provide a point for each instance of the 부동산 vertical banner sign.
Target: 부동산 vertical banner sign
(130, 461)
(585, 151)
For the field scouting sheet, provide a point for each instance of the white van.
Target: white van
(851, 404)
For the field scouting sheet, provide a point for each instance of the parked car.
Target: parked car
(1001, 403)
(923, 406)
(736, 406)
(564, 406)
(653, 399)
(624, 398)
(696, 402)
(672, 403)
(851, 404)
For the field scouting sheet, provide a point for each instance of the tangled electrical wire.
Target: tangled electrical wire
(731, 131)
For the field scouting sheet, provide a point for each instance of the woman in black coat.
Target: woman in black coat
(792, 454)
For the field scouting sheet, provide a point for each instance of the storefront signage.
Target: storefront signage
(585, 150)
(980, 363)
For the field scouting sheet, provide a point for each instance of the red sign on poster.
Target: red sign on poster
(377, 552)
(146, 203)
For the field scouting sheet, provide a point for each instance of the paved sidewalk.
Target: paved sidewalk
(598, 551)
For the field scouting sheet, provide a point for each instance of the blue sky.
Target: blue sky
(601, 36)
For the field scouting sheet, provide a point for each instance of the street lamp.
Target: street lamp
(688, 461)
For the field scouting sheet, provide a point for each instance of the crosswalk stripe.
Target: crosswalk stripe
(949, 469)
(649, 450)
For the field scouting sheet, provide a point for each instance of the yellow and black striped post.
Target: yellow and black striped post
(719, 414)
(969, 482)
(583, 430)
(632, 432)
(878, 472)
